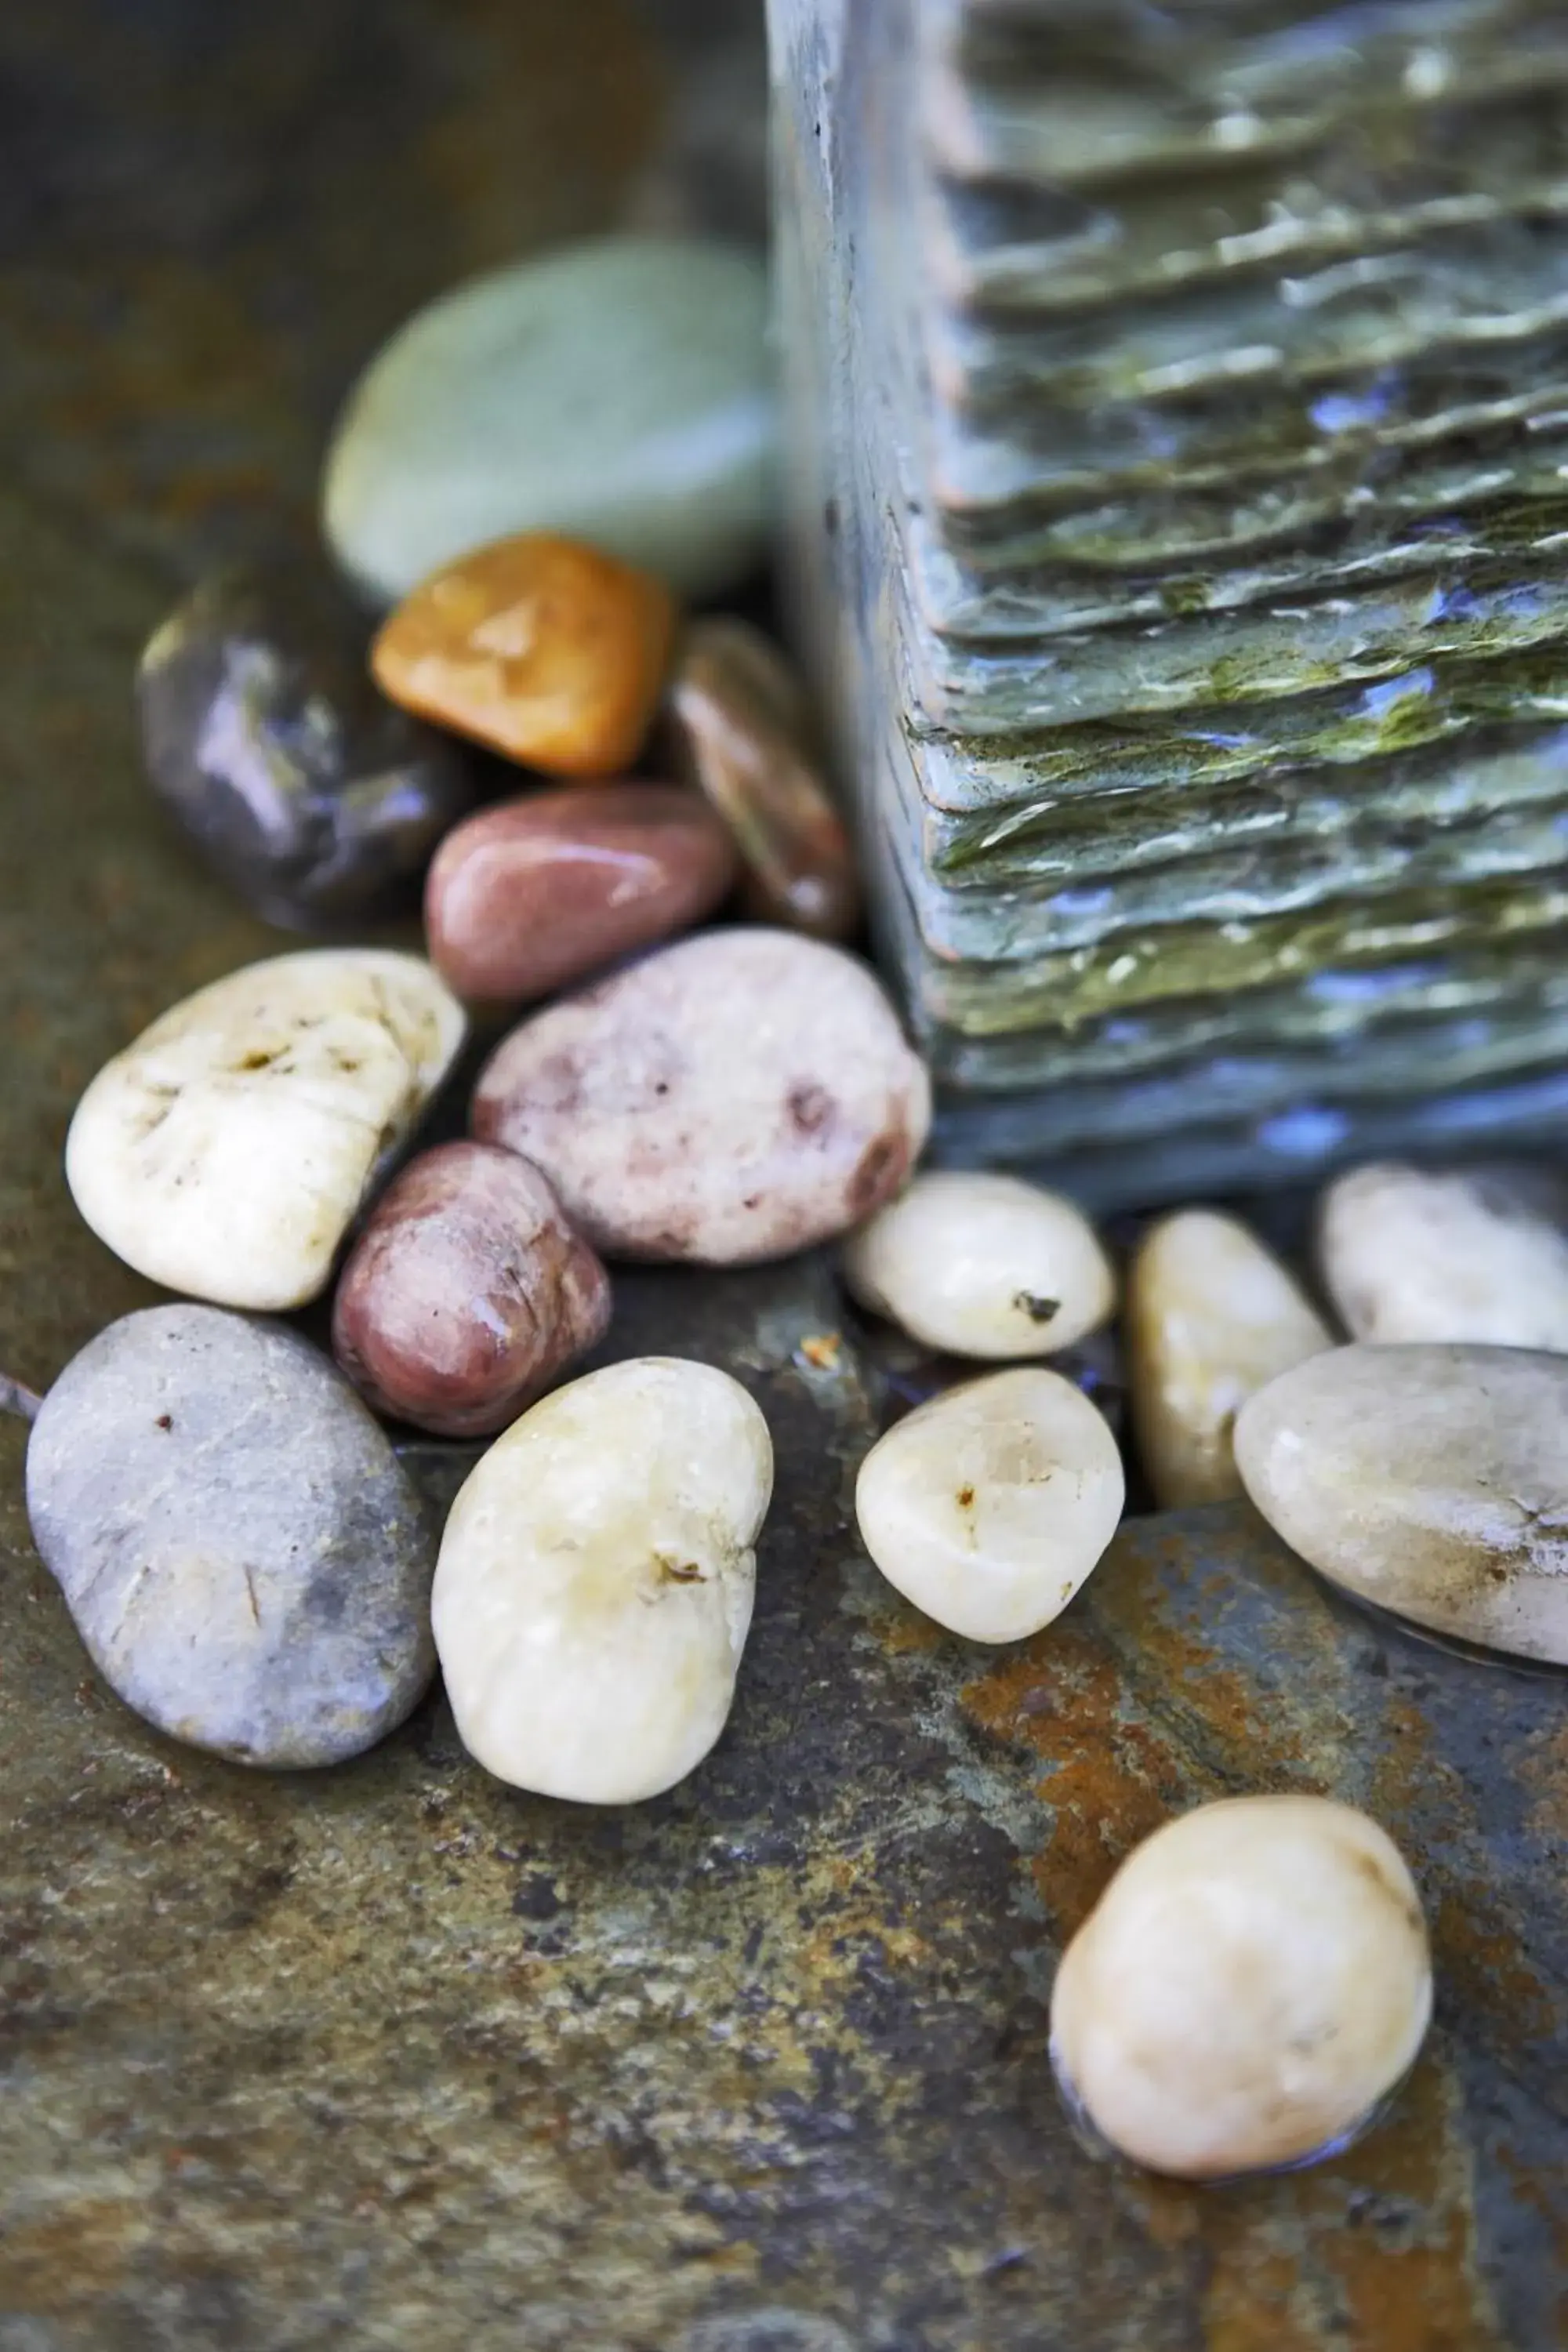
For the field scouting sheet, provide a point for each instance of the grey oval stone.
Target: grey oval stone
(1427, 1479)
(617, 392)
(241, 1552)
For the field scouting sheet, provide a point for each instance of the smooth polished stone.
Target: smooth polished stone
(1253, 1982)
(240, 1549)
(1212, 1316)
(596, 1578)
(545, 650)
(617, 390)
(224, 1152)
(1427, 1479)
(989, 1506)
(303, 788)
(534, 895)
(740, 731)
(982, 1266)
(731, 1098)
(1478, 1254)
(466, 1293)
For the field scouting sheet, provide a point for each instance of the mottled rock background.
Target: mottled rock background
(393, 2056)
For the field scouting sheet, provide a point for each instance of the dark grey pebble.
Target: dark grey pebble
(312, 796)
(243, 1554)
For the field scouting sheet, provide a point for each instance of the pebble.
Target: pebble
(225, 1151)
(1212, 1316)
(534, 895)
(982, 1266)
(596, 1578)
(618, 391)
(731, 1098)
(466, 1294)
(1253, 1982)
(546, 651)
(1480, 1255)
(739, 731)
(308, 792)
(1426, 1480)
(240, 1550)
(988, 1506)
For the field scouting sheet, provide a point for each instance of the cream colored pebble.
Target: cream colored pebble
(1252, 1982)
(225, 1151)
(989, 1506)
(1212, 1316)
(1409, 1255)
(595, 1580)
(982, 1266)
(1428, 1480)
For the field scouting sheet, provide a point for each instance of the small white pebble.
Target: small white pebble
(1252, 1982)
(1210, 1317)
(595, 1580)
(1478, 1255)
(989, 1506)
(225, 1151)
(982, 1266)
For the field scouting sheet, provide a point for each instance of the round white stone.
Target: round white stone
(988, 1505)
(982, 1266)
(1481, 1256)
(1252, 1982)
(1211, 1317)
(1426, 1479)
(595, 1580)
(225, 1152)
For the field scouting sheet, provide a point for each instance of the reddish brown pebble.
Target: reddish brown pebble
(546, 650)
(467, 1294)
(525, 898)
(740, 731)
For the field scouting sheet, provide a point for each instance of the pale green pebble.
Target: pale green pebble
(617, 392)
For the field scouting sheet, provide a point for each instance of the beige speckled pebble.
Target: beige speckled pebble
(1252, 1982)
(225, 1151)
(595, 1580)
(982, 1265)
(1427, 1479)
(1211, 1316)
(1478, 1255)
(989, 1506)
(731, 1098)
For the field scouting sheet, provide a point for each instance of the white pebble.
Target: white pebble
(1481, 1255)
(1426, 1479)
(988, 1506)
(1211, 1317)
(225, 1151)
(595, 1580)
(1252, 1982)
(982, 1266)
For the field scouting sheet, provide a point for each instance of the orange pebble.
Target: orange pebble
(541, 648)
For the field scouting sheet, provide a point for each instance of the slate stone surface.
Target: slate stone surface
(390, 2056)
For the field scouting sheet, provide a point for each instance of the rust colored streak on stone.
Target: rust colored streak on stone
(1480, 1958)
(1333, 2255)
(1111, 1779)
